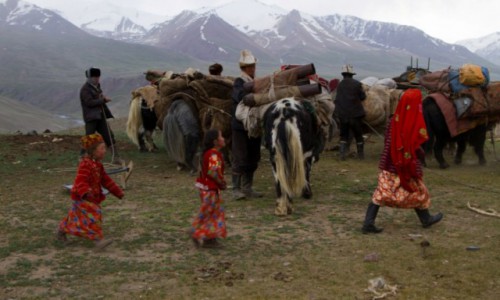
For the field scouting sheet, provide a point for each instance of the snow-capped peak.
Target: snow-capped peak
(101, 15)
(21, 13)
(247, 15)
(482, 42)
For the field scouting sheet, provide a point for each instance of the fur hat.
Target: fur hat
(247, 59)
(93, 72)
(91, 140)
(215, 69)
(348, 69)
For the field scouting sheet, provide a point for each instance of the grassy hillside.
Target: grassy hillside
(47, 70)
(15, 116)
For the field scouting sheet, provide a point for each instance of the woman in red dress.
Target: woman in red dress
(85, 218)
(210, 224)
(400, 181)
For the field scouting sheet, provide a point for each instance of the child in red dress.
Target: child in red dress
(210, 223)
(85, 218)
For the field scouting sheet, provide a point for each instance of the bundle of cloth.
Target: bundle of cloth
(291, 81)
(208, 97)
(382, 97)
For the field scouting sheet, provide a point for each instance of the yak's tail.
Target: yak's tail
(290, 169)
(134, 120)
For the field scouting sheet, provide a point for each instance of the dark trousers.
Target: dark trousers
(354, 124)
(101, 127)
(246, 152)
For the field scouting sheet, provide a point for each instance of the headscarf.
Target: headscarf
(408, 133)
(91, 140)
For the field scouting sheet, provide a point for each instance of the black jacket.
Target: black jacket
(348, 100)
(237, 96)
(93, 105)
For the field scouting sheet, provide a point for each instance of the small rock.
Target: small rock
(47, 131)
(32, 132)
(286, 264)
(372, 257)
(472, 248)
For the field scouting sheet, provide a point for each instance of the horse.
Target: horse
(141, 114)
(440, 136)
(292, 138)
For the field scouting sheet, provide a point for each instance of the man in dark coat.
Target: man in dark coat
(245, 150)
(95, 111)
(350, 111)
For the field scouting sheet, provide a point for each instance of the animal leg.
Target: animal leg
(438, 153)
(479, 149)
(461, 145)
(281, 206)
(150, 144)
(307, 191)
(289, 205)
(142, 143)
(281, 201)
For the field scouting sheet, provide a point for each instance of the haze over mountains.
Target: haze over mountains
(44, 53)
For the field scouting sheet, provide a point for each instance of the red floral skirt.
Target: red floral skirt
(84, 220)
(389, 192)
(210, 222)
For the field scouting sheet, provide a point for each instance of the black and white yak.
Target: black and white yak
(293, 139)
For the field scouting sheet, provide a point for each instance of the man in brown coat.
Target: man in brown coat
(95, 111)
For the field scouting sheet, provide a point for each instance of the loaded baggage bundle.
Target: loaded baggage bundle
(453, 81)
(292, 81)
(468, 88)
(208, 96)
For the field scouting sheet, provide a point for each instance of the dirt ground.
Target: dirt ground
(316, 253)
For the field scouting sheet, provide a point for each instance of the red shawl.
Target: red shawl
(408, 133)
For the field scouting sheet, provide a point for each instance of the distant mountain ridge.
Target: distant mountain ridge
(487, 46)
(43, 56)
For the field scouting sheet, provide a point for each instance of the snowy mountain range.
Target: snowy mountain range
(487, 46)
(218, 33)
(43, 54)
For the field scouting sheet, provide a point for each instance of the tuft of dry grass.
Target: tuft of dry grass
(316, 253)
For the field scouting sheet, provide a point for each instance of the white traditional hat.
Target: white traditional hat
(247, 59)
(348, 69)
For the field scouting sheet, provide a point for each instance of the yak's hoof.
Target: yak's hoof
(444, 166)
(307, 194)
(280, 213)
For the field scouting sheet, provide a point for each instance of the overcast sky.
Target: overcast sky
(447, 20)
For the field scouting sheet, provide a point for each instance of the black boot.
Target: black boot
(426, 219)
(237, 193)
(247, 186)
(371, 215)
(361, 150)
(342, 149)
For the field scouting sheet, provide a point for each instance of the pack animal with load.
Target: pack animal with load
(461, 105)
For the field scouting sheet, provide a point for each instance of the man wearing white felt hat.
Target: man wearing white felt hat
(245, 150)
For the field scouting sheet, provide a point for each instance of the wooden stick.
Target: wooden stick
(490, 212)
